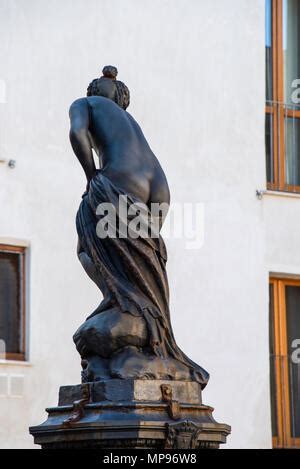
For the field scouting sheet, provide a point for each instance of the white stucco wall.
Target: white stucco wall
(195, 69)
(281, 215)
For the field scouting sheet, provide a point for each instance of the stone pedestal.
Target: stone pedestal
(121, 413)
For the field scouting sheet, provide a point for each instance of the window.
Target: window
(12, 301)
(285, 362)
(282, 95)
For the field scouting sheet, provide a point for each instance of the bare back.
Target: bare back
(125, 153)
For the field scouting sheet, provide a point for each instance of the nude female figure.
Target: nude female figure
(98, 122)
(129, 335)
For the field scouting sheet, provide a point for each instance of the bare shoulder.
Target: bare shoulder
(78, 104)
(132, 120)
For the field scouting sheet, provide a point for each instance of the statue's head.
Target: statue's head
(108, 87)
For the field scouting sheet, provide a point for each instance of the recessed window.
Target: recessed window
(283, 94)
(12, 302)
(285, 362)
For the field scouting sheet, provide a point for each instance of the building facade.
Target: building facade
(197, 74)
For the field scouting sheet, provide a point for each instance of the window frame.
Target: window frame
(22, 251)
(277, 108)
(282, 384)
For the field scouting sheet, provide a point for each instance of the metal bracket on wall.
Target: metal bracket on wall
(260, 194)
(173, 406)
(78, 406)
(10, 163)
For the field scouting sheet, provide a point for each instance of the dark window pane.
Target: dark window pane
(291, 46)
(272, 362)
(10, 301)
(269, 147)
(269, 51)
(292, 151)
(293, 333)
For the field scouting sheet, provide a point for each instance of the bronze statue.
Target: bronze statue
(130, 334)
(138, 388)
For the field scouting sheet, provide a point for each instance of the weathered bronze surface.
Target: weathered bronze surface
(131, 414)
(130, 334)
(139, 389)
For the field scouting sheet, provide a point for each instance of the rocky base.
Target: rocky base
(114, 414)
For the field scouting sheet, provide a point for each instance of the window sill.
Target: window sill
(15, 363)
(261, 193)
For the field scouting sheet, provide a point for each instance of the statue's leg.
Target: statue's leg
(88, 265)
(94, 275)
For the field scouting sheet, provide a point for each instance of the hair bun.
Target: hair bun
(109, 71)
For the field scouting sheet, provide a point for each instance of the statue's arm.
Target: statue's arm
(79, 136)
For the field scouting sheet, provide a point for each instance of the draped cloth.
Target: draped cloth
(131, 271)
